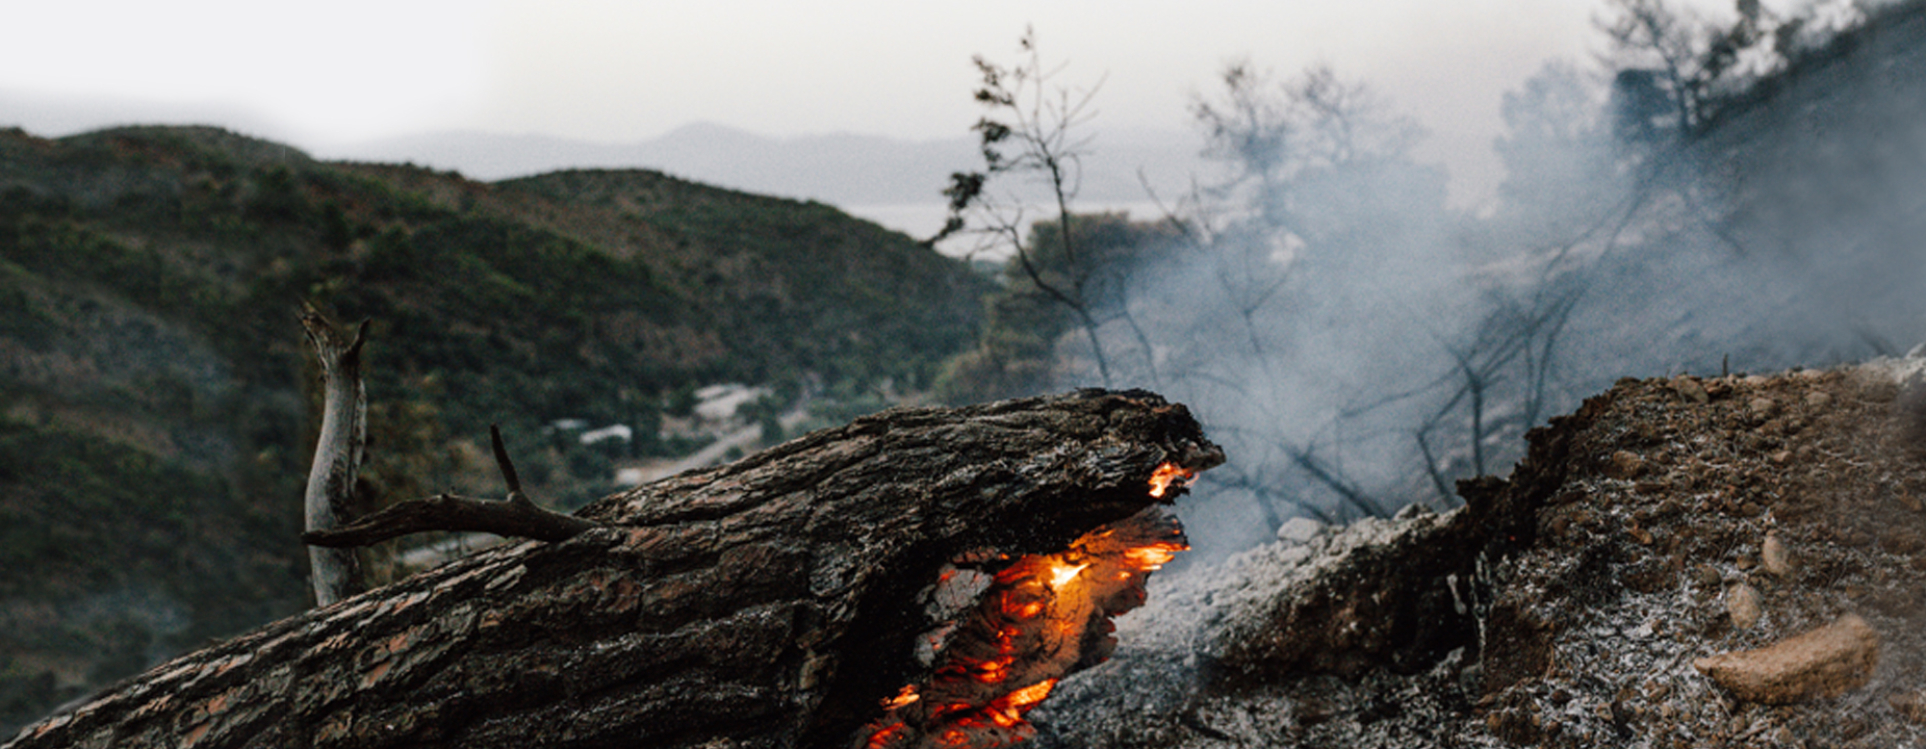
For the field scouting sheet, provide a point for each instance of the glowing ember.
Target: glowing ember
(907, 696)
(1167, 476)
(1153, 557)
(1031, 695)
(1062, 574)
(1040, 618)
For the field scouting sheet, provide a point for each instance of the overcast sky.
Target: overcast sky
(321, 75)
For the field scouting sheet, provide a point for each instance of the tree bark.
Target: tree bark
(337, 453)
(773, 602)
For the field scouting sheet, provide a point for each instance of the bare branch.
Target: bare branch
(516, 516)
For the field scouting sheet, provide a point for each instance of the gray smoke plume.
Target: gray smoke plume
(1358, 346)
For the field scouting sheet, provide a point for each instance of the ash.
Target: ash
(1565, 607)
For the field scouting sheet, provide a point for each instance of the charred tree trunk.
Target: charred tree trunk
(773, 602)
(337, 453)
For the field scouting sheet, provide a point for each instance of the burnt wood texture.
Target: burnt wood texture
(772, 602)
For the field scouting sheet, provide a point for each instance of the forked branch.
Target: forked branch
(515, 516)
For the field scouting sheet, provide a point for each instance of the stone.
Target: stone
(1776, 558)
(1625, 465)
(1742, 603)
(1825, 662)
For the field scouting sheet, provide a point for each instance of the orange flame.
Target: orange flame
(1061, 574)
(1029, 696)
(1152, 557)
(1168, 475)
(907, 696)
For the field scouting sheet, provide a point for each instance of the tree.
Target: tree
(338, 453)
(1673, 66)
(1017, 352)
(1031, 131)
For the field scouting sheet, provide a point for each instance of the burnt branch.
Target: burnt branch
(516, 516)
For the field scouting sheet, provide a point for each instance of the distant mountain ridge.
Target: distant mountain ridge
(841, 169)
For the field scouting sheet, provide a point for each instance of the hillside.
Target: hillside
(156, 387)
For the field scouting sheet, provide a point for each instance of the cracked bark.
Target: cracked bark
(768, 603)
(338, 450)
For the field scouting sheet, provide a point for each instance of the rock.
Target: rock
(1818, 400)
(1742, 602)
(1625, 465)
(1299, 530)
(1691, 389)
(1824, 662)
(1910, 705)
(1774, 555)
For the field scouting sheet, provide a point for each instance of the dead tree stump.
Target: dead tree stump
(773, 602)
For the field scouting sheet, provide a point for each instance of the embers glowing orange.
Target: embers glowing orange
(1061, 574)
(1167, 476)
(1152, 557)
(887, 735)
(1033, 622)
(907, 696)
(1029, 696)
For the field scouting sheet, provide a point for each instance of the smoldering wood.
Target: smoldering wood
(768, 603)
(338, 452)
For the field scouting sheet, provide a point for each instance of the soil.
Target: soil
(1566, 606)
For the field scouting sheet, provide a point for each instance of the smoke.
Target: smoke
(1357, 346)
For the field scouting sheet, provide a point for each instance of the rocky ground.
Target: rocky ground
(1684, 562)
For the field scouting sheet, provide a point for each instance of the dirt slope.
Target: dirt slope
(1568, 605)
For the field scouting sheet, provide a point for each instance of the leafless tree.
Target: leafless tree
(1032, 129)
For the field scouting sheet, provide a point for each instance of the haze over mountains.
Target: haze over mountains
(871, 176)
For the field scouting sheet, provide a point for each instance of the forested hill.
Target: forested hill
(157, 389)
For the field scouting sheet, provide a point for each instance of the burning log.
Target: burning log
(1037, 620)
(788, 599)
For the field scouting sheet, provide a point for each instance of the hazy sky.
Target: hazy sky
(325, 74)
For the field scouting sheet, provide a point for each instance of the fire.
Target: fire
(1029, 696)
(1040, 618)
(1061, 574)
(1153, 557)
(905, 697)
(1167, 476)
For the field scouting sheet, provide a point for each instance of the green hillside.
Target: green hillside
(157, 393)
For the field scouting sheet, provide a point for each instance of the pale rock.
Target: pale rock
(1690, 389)
(1824, 662)
(1776, 558)
(1742, 602)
